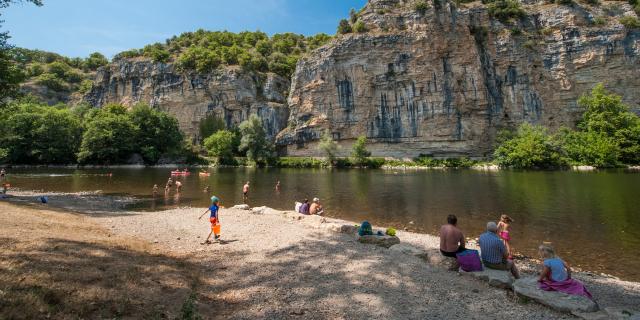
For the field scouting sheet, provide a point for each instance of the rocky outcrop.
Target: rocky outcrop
(230, 93)
(443, 82)
(528, 288)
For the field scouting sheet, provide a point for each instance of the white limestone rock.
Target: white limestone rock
(528, 287)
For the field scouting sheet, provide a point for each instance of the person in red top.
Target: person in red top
(451, 238)
(214, 219)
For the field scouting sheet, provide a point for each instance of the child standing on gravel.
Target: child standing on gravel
(214, 219)
(504, 227)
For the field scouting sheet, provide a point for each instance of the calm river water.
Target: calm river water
(592, 218)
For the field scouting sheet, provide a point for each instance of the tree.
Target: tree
(95, 61)
(360, 27)
(360, 152)
(108, 137)
(606, 114)
(34, 134)
(210, 125)
(344, 27)
(529, 147)
(254, 139)
(221, 145)
(328, 146)
(353, 15)
(156, 133)
(590, 148)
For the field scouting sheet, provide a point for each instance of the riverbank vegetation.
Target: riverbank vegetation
(608, 135)
(34, 133)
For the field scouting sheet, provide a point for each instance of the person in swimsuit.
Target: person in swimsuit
(504, 227)
(278, 186)
(155, 190)
(207, 189)
(2, 174)
(178, 186)
(245, 192)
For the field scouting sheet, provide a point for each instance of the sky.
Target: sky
(76, 28)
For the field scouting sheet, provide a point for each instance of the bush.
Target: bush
(360, 152)
(391, 232)
(565, 2)
(506, 10)
(630, 22)
(254, 140)
(51, 81)
(156, 52)
(95, 61)
(59, 69)
(590, 148)
(221, 145)
(85, 86)
(529, 147)
(210, 125)
(421, 7)
(344, 27)
(300, 162)
(599, 21)
(328, 146)
(360, 27)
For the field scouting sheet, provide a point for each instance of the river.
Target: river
(592, 218)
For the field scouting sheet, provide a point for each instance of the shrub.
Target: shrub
(360, 152)
(590, 148)
(328, 146)
(95, 61)
(300, 162)
(565, 2)
(51, 81)
(156, 52)
(530, 147)
(221, 145)
(360, 27)
(391, 232)
(421, 7)
(599, 21)
(344, 27)
(85, 86)
(630, 22)
(506, 10)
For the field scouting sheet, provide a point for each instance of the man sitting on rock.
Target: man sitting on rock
(451, 238)
(494, 253)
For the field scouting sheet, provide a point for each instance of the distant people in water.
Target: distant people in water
(278, 186)
(245, 192)
(304, 207)
(170, 182)
(207, 189)
(3, 173)
(214, 219)
(504, 228)
(556, 274)
(494, 253)
(5, 188)
(178, 186)
(155, 190)
(316, 207)
(451, 238)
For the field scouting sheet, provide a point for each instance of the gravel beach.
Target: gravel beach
(274, 264)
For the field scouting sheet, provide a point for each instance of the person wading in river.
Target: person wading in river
(245, 192)
(451, 238)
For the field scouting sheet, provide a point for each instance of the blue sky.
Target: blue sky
(79, 27)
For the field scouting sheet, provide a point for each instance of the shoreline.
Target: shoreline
(261, 232)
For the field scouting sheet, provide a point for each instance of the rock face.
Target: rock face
(443, 82)
(528, 287)
(230, 93)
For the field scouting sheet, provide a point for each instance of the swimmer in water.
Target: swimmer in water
(207, 189)
(155, 190)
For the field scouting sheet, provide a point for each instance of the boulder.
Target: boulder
(348, 228)
(436, 259)
(258, 210)
(382, 241)
(610, 313)
(408, 249)
(528, 287)
(496, 278)
(241, 207)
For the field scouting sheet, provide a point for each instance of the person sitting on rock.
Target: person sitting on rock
(304, 208)
(494, 253)
(451, 238)
(316, 207)
(556, 274)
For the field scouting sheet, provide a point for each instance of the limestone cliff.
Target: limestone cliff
(230, 93)
(443, 81)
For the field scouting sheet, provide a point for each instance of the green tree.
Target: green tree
(360, 27)
(328, 146)
(344, 27)
(51, 81)
(95, 61)
(254, 139)
(530, 147)
(36, 134)
(156, 52)
(353, 15)
(109, 137)
(506, 10)
(359, 151)
(221, 145)
(606, 114)
(590, 148)
(156, 133)
(210, 125)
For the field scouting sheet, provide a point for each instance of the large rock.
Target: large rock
(528, 288)
(382, 241)
(610, 313)
(444, 82)
(495, 278)
(230, 93)
(409, 250)
(241, 207)
(436, 259)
